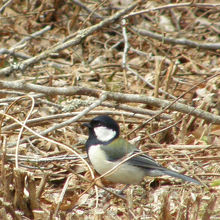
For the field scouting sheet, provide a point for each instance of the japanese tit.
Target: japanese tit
(106, 149)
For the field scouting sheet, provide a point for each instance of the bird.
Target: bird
(106, 149)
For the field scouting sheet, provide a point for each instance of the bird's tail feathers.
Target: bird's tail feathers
(180, 176)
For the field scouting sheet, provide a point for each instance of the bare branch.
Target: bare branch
(181, 41)
(83, 6)
(120, 97)
(178, 5)
(7, 3)
(80, 35)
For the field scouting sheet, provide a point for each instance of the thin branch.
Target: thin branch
(73, 158)
(31, 36)
(125, 66)
(12, 99)
(136, 110)
(68, 90)
(34, 121)
(148, 83)
(22, 128)
(126, 44)
(60, 199)
(10, 209)
(7, 3)
(84, 7)
(80, 35)
(25, 56)
(119, 97)
(65, 123)
(181, 41)
(67, 148)
(178, 5)
(37, 159)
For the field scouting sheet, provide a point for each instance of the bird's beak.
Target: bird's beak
(86, 125)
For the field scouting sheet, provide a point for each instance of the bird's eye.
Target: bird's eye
(96, 124)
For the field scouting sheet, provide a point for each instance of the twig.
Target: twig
(193, 111)
(206, 158)
(148, 83)
(7, 3)
(178, 5)
(175, 41)
(136, 110)
(37, 159)
(25, 56)
(52, 141)
(125, 52)
(68, 90)
(119, 97)
(5, 92)
(22, 128)
(125, 66)
(10, 209)
(171, 70)
(62, 195)
(34, 35)
(65, 123)
(126, 44)
(93, 14)
(42, 184)
(183, 146)
(32, 122)
(12, 99)
(80, 35)
(158, 66)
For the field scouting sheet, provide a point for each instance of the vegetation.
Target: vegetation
(152, 65)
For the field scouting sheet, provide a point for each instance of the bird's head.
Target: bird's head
(102, 129)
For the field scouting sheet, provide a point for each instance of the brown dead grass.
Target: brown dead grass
(34, 189)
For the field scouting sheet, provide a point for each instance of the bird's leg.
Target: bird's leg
(121, 192)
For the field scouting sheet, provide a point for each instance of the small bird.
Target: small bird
(106, 149)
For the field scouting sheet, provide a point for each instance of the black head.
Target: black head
(102, 130)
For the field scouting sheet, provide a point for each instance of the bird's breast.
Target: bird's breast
(124, 173)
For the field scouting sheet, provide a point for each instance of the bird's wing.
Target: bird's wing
(152, 168)
(144, 161)
(118, 148)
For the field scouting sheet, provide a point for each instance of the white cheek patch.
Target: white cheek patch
(104, 134)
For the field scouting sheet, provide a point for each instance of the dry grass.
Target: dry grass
(43, 176)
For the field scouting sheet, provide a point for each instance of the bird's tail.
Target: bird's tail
(180, 176)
